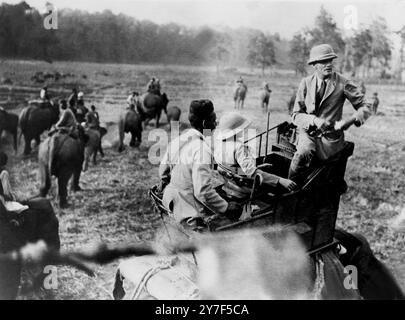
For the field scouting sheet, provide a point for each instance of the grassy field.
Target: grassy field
(114, 206)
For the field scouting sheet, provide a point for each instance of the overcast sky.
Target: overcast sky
(284, 17)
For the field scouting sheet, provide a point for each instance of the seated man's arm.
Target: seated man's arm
(202, 184)
(164, 171)
(6, 185)
(247, 162)
(357, 98)
(299, 114)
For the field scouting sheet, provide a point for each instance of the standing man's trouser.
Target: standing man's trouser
(309, 150)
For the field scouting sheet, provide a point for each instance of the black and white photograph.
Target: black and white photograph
(177, 151)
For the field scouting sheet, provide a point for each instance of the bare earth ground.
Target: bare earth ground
(114, 206)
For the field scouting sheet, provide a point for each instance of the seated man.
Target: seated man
(67, 122)
(133, 100)
(186, 168)
(92, 118)
(319, 104)
(7, 196)
(231, 153)
(72, 100)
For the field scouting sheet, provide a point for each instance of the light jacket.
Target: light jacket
(67, 120)
(187, 163)
(238, 157)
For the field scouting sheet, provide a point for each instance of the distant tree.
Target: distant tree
(220, 51)
(261, 52)
(361, 46)
(326, 31)
(370, 48)
(381, 43)
(299, 52)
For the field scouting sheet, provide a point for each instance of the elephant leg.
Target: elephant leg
(158, 119)
(86, 159)
(100, 149)
(138, 136)
(63, 180)
(76, 179)
(15, 141)
(95, 156)
(121, 138)
(133, 140)
(27, 147)
(45, 180)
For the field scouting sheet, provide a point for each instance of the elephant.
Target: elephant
(93, 145)
(240, 96)
(36, 119)
(153, 104)
(173, 114)
(62, 156)
(9, 123)
(39, 222)
(130, 122)
(265, 99)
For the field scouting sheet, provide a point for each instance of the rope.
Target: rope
(320, 278)
(162, 265)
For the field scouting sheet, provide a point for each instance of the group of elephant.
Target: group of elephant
(40, 220)
(72, 154)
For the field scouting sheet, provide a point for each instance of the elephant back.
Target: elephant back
(174, 113)
(154, 103)
(37, 120)
(132, 121)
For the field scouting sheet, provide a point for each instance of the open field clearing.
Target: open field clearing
(114, 206)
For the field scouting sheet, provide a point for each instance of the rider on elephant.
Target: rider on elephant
(81, 110)
(93, 119)
(7, 197)
(67, 122)
(44, 94)
(154, 86)
(72, 100)
(133, 100)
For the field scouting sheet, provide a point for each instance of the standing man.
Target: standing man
(376, 102)
(319, 106)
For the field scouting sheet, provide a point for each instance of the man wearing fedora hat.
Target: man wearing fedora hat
(234, 155)
(319, 105)
(186, 170)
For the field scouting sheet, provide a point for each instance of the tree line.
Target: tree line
(367, 52)
(108, 37)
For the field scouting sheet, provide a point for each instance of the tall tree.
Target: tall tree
(261, 52)
(299, 52)
(326, 31)
(220, 50)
